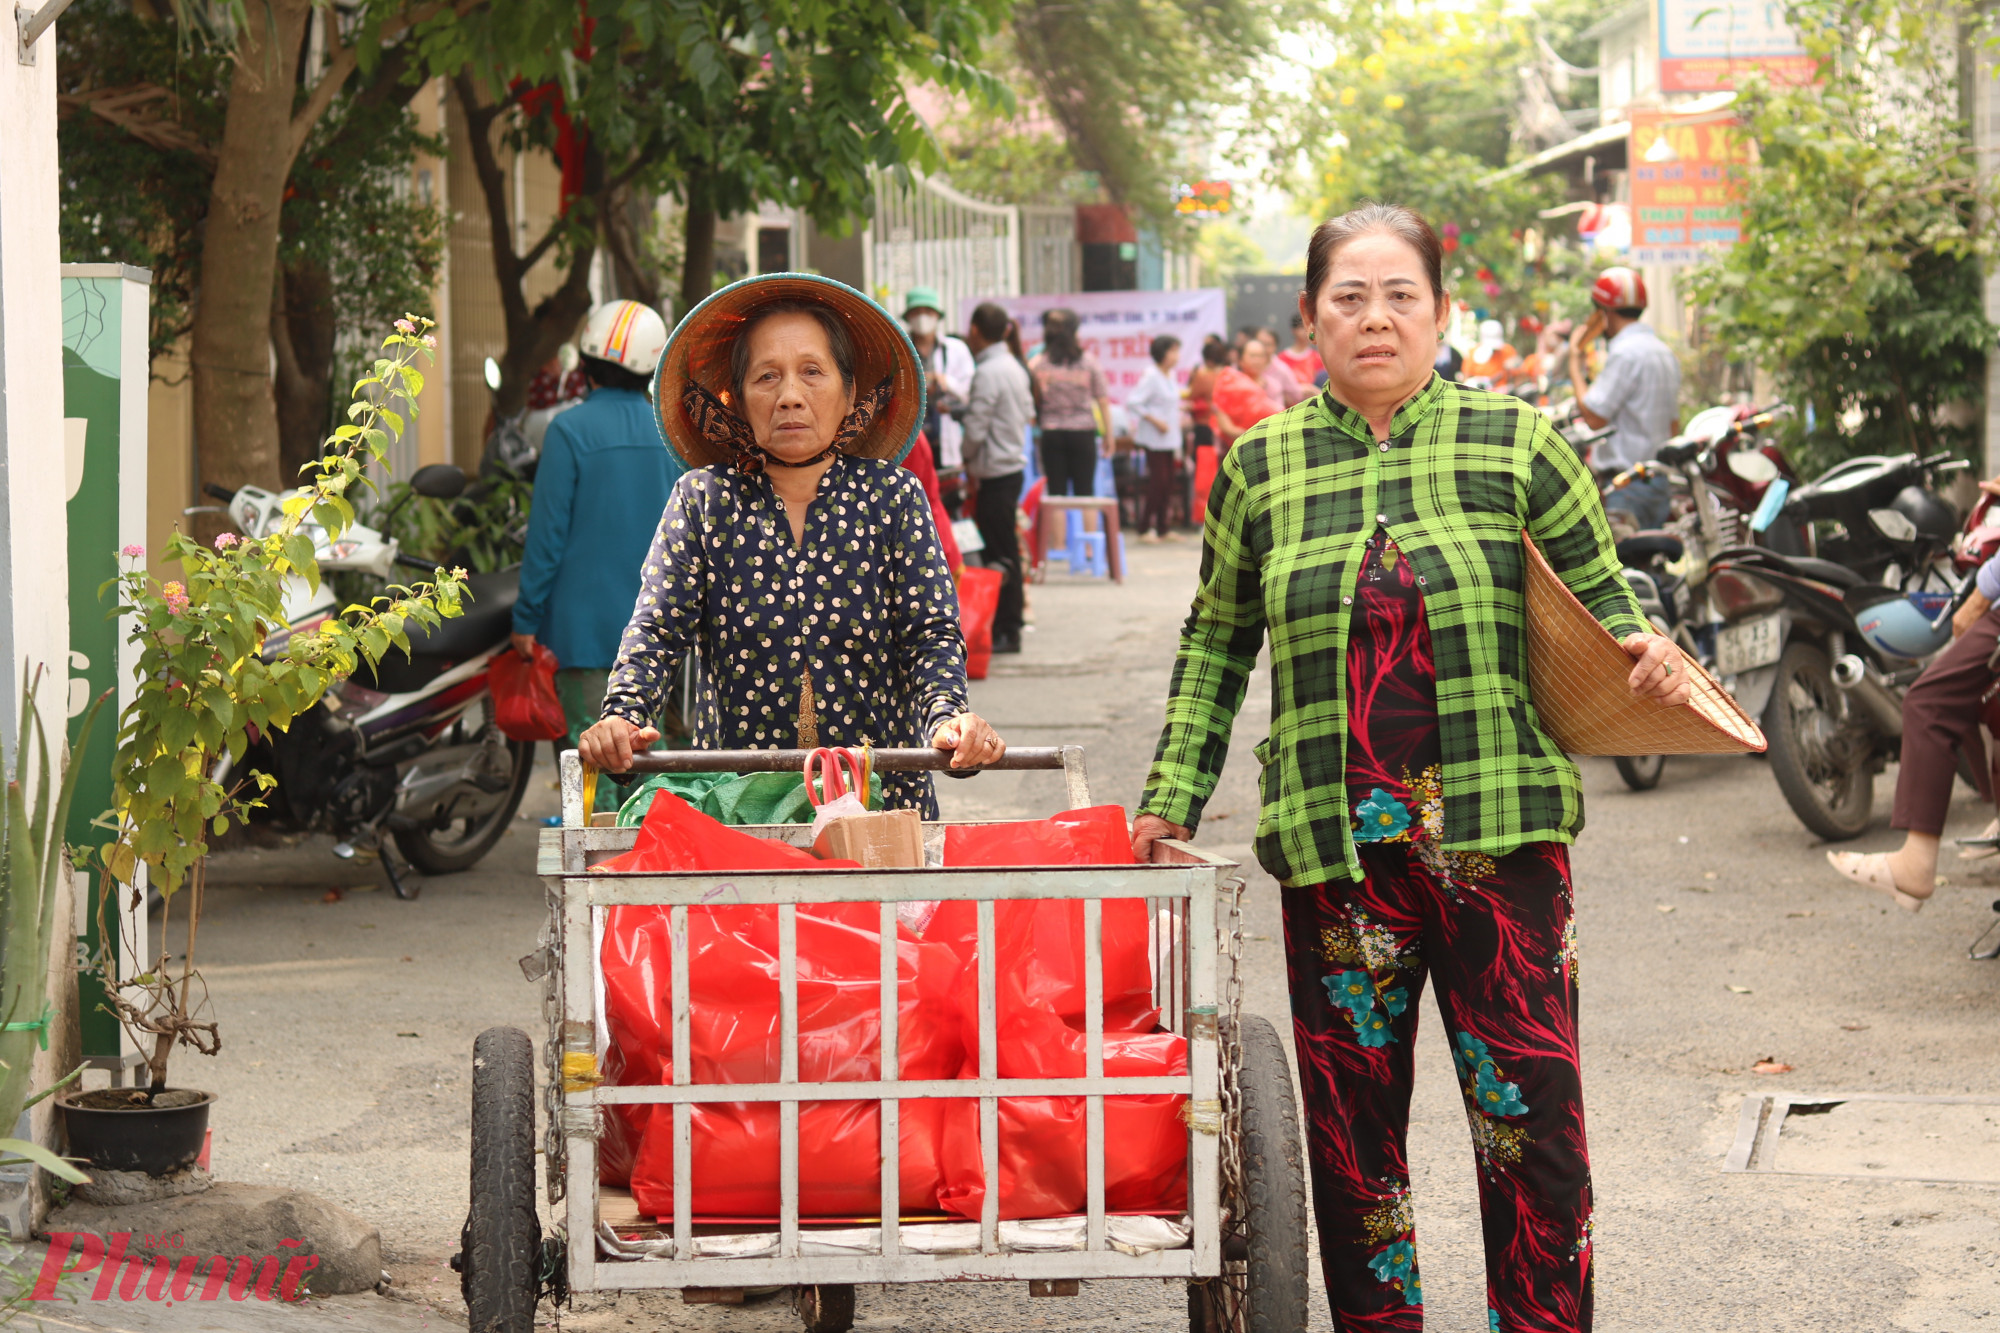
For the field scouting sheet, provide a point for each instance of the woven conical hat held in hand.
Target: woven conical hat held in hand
(1577, 677)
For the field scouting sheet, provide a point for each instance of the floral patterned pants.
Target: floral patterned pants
(1501, 946)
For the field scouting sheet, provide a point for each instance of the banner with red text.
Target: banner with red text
(1118, 328)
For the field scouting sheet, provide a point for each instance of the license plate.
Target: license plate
(1745, 647)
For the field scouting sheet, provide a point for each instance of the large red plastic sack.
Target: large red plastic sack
(734, 1038)
(978, 602)
(525, 706)
(676, 836)
(1039, 1030)
(1095, 836)
(1039, 1007)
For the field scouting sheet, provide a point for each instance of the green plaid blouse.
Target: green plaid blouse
(1463, 473)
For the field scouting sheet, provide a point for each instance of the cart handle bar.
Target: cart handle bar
(885, 761)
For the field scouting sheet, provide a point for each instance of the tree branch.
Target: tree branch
(507, 267)
(342, 60)
(541, 247)
(117, 107)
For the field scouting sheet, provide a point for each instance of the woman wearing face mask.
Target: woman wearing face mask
(1414, 810)
(796, 559)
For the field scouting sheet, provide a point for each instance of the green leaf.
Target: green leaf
(42, 1157)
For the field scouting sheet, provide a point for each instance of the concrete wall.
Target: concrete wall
(34, 561)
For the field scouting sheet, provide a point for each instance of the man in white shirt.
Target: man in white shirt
(947, 364)
(1637, 394)
(1155, 409)
(998, 409)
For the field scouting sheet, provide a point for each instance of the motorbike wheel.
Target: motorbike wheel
(1641, 771)
(1823, 774)
(460, 844)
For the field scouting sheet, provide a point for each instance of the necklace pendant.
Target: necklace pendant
(808, 714)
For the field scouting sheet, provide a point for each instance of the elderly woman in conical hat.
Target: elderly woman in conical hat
(796, 559)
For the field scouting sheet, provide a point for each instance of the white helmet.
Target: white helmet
(626, 334)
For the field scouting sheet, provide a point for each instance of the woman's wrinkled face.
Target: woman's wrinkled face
(793, 396)
(1377, 319)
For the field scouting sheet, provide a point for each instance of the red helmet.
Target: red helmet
(1619, 288)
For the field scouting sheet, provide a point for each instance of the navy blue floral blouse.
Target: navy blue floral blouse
(864, 606)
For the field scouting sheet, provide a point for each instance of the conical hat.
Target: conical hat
(699, 347)
(1577, 676)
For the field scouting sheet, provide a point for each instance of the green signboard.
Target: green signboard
(105, 376)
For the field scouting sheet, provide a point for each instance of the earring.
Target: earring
(1313, 337)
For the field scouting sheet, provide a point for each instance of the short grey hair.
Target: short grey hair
(838, 340)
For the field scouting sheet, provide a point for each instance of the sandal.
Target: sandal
(1871, 871)
(1985, 845)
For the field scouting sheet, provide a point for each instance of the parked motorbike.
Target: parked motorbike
(1826, 649)
(514, 444)
(1729, 484)
(404, 757)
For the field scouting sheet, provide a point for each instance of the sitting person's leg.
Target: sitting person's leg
(1940, 711)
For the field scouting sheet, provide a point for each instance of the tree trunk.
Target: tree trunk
(533, 336)
(235, 414)
(698, 272)
(628, 222)
(302, 335)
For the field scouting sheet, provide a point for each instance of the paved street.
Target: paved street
(1713, 936)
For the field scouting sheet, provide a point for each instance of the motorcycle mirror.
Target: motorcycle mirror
(492, 374)
(1753, 466)
(446, 481)
(1893, 524)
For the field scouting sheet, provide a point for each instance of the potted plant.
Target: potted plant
(205, 688)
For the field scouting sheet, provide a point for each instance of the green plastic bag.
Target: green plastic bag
(732, 798)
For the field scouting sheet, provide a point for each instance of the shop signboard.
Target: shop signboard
(105, 384)
(1685, 201)
(1705, 44)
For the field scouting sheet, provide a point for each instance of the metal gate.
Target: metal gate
(930, 235)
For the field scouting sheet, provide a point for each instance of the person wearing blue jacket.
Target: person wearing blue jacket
(601, 484)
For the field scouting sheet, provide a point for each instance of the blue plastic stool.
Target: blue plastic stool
(1092, 561)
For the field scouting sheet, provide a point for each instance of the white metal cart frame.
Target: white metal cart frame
(1192, 910)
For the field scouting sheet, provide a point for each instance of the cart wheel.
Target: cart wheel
(1263, 1287)
(826, 1308)
(500, 1265)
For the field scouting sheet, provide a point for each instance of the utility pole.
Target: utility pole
(1984, 75)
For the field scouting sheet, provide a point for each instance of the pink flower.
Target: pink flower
(404, 325)
(225, 540)
(134, 551)
(177, 598)
(430, 340)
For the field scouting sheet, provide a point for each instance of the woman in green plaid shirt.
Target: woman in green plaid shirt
(1414, 809)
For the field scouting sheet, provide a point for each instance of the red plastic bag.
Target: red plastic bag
(978, 601)
(676, 836)
(1091, 837)
(1204, 478)
(525, 706)
(1039, 1008)
(734, 1038)
(1039, 1031)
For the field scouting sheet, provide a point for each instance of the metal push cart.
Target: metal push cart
(1241, 1246)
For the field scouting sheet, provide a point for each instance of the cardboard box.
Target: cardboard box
(880, 839)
